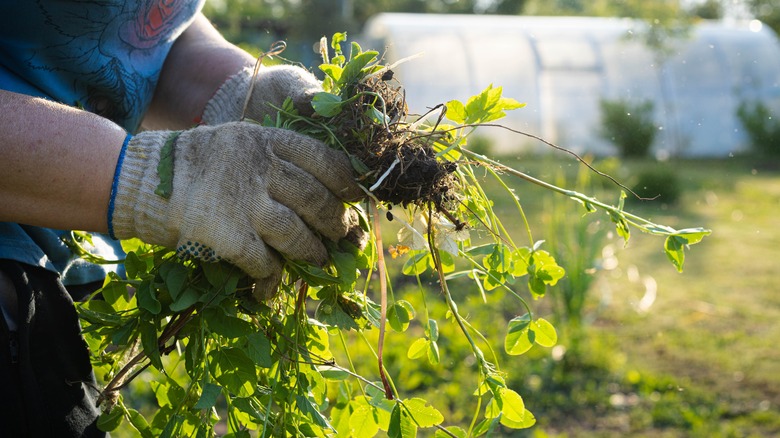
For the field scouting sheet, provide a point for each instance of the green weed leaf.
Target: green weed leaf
(621, 225)
(364, 421)
(500, 260)
(208, 397)
(186, 298)
(139, 423)
(259, 350)
(674, 246)
(134, 266)
(168, 393)
(434, 357)
(693, 235)
(546, 336)
(148, 329)
(174, 275)
(147, 299)
(327, 104)
(456, 111)
(424, 414)
(417, 264)
(400, 315)
(512, 405)
(418, 349)
(401, 424)
(234, 370)
(331, 313)
(334, 72)
(353, 68)
(527, 421)
(336, 41)
(228, 326)
(519, 337)
(111, 419)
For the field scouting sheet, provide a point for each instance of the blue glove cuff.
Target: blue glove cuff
(114, 184)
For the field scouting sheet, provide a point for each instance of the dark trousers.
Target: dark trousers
(47, 386)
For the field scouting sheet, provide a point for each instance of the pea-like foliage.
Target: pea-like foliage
(229, 361)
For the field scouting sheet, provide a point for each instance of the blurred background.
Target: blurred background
(676, 99)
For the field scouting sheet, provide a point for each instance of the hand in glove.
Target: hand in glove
(272, 86)
(241, 192)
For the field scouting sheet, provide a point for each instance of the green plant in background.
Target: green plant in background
(629, 126)
(577, 245)
(658, 183)
(272, 367)
(762, 127)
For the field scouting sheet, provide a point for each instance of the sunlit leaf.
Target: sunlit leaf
(621, 225)
(139, 423)
(333, 373)
(432, 330)
(527, 421)
(308, 409)
(512, 405)
(363, 422)
(401, 424)
(355, 65)
(693, 235)
(456, 111)
(399, 315)
(519, 337)
(334, 73)
(545, 334)
(424, 414)
(418, 349)
(453, 431)
(433, 353)
(500, 260)
(674, 246)
(417, 264)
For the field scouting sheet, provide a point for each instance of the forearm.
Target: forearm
(56, 164)
(198, 63)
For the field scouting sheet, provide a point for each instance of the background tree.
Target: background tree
(767, 11)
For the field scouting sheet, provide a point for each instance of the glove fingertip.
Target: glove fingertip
(267, 288)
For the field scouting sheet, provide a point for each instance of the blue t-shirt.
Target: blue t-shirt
(102, 56)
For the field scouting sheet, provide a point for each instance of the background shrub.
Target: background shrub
(762, 128)
(629, 126)
(658, 181)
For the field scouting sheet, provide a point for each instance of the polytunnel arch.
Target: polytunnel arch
(562, 66)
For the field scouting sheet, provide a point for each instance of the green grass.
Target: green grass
(702, 359)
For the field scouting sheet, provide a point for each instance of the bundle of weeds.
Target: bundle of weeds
(363, 112)
(263, 365)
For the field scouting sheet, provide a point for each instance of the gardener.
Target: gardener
(78, 80)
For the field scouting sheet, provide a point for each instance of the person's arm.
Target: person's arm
(199, 62)
(56, 164)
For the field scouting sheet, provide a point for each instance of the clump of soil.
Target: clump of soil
(417, 177)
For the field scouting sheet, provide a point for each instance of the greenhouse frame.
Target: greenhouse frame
(562, 67)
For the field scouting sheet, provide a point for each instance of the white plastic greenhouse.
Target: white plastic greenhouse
(562, 66)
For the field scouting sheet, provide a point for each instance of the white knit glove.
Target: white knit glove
(272, 86)
(241, 192)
